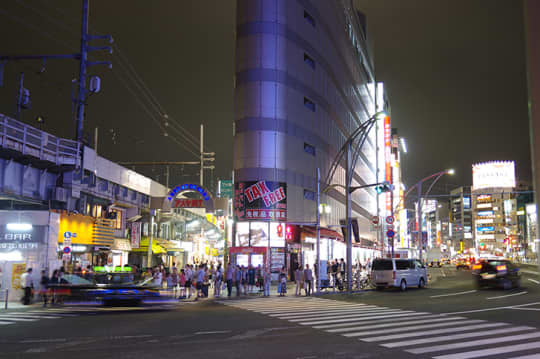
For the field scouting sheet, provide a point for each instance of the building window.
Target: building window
(309, 104)
(309, 18)
(309, 195)
(309, 149)
(308, 60)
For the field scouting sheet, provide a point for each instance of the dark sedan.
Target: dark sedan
(498, 273)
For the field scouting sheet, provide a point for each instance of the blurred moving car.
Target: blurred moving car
(463, 263)
(399, 273)
(107, 288)
(498, 273)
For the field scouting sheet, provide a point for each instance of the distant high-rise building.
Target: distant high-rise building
(460, 218)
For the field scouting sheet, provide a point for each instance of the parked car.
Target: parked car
(400, 273)
(499, 273)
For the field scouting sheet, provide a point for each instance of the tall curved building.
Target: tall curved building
(304, 82)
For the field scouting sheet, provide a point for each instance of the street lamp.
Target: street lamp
(351, 159)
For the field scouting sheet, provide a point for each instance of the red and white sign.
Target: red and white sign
(260, 190)
(272, 214)
(390, 219)
(135, 235)
(375, 219)
(188, 203)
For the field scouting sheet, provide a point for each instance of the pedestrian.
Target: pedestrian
(282, 285)
(259, 278)
(267, 281)
(308, 280)
(44, 282)
(26, 283)
(218, 278)
(189, 278)
(182, 283)
(244, 279)
(169, 281)
(251, 278)
(174, 281)
(237, 279)
(229, 275)
(200, 280)
(158, 277)
(299, 279)
(342, 269)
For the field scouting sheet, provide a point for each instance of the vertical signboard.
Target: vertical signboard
(388, 159)
(135, 235)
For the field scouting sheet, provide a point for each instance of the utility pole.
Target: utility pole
(318, 271)
(204, 157)
(419, 220)
(84, 64)
(348, 176)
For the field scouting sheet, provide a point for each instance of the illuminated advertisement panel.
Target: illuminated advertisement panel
(485, 213)
(388, 159)
(494, 174)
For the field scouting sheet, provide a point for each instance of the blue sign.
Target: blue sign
(485, 229)
(66, 250)
(390, 233)
(189, 187)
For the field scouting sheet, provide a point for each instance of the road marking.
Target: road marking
(494, 308)
(388, 325)
(508, 295)
(374, 318)
(474, 343)
(533, 309)
(213, 332)
(424, 333)
(6, 323)
(532, 356)
(341, 325)
(59, 340)
(445, 338)
(491, 351)
(534, 281)
(346, 315)
(322, 312)
(18, 319)
(452, 294)
(410, 328)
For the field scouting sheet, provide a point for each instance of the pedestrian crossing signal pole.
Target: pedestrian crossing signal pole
(318, 271)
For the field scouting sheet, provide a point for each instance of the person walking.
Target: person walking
(189, 278)
(175, 279)
(308, 280)
(229, 275)
(282, 284)
(267, 281)
(250, 278)
(238, 279)
(218, 279)
(244, 279)
(299, 278)
(342, 270)
(200, 280)
(182, 284)
(26, 283)
(44, 282)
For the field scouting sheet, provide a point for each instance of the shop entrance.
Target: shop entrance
(245, 256)
(294, 264)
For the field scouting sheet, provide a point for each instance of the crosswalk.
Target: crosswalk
(439, 336)
(33, 315)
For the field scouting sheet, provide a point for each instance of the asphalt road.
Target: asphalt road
(366, 325)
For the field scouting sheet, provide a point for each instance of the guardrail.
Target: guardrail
(30, 141)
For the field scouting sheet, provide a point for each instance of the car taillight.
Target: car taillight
(477, 266)
(394, 275)
(501, 268)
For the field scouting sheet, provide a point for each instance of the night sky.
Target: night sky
(454, 70)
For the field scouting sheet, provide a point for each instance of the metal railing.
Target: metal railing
(28, 140)
(4, 295)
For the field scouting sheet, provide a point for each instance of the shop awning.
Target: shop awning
(170, 246)
(325, 232)
(156, 247)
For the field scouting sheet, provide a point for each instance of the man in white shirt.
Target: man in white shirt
(26, 283)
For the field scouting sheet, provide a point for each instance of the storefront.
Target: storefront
(246, 256)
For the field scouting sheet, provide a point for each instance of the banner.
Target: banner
(135, 235)
(261, 200)
(21, 239)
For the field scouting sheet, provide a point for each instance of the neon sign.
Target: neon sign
(388, 159)
(188, 187)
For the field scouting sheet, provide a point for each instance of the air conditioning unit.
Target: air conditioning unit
(60, 194)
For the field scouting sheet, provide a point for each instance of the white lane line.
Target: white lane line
(534, 281)
(324, 312)
(17, 319)
(474, 343)
(347, 315)
(491, 351)
(494, 308)
(389, 325)
(508, 295)
(452, 294)
(446, 338)
(375, 318)
(410, 328)
(532, 356)
(424, 333)
(213, 332)
(275, 310)
(59, 340)
(6, 323)
(533, 309)
(392, 319)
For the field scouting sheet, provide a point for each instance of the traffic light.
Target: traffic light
(384, 187)
(288, 232)
(280, 230)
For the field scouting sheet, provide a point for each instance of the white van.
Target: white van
(401, 273)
